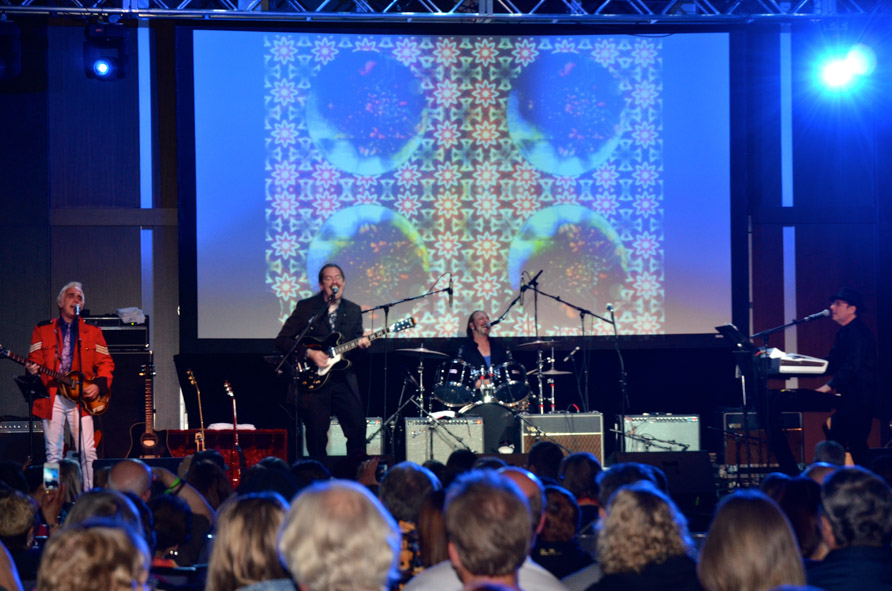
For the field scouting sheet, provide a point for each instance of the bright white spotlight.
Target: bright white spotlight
(102, 68)
(837, 73)
(862, 60)
(840, 73)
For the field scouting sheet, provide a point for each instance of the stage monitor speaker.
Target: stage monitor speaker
(687, 472)
(661, 433)
(580, 432)
(14, 444)
(436, 441)
(756, 453)
(337, 441)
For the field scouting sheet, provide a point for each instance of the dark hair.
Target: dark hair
(801, 502)
(468, 330)
(831, 452)
(561, 515)
(258, 479)
(609, 481)
(858, 505)
(579, 475)
(545, 459)
(306, 472)
(403, 489)
(173, 521)
(330, 266)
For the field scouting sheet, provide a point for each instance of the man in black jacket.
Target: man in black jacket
(340, 394)
(853, 364)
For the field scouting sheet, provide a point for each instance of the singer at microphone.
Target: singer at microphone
(339, 394)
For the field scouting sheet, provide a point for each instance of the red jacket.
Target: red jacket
(46, 350)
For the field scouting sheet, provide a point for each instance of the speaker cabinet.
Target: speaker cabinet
(426, 441)
(337, 441)
(14, 444)
(580, 432)
(659, 433)
(754, 451)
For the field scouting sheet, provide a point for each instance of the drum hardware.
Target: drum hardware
(421, 353)
(535, 345)
(455, 384)
(500, 433)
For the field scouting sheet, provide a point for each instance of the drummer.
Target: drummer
(479, 350)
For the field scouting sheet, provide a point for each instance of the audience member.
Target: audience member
(856, 525)
(111, 506)
(70, 476)
(749, 547)
(210, 480)
(557, 548)
(489, 463)
(579, 474)
(829, 452)
(432, 542)
(245, 554)
(306, 472)
(819, 471)
(338, 537)
(439, 469)
(17, 518)
(619, 475)
(458, 462)
(644, 543)
(773, 485)
(173, 528)
(131, 475)
(488, 526)
(94, 555)
(545, 461)
(402, 491)
(9, 575)
(259, 479)
(801, 503)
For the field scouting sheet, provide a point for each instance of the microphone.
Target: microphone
(821, 314)
(494, 322)
(77, 310)
(450, 292)
(570, 356)
(334, 293)
(610, 308)
(523, 289)
(534, 281)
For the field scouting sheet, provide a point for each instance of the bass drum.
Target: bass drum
(455, 383)
(510, 381)
(500, 429)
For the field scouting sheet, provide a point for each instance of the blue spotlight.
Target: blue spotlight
(102, 68)
(844, 72)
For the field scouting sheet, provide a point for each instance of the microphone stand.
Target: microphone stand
(81, 453)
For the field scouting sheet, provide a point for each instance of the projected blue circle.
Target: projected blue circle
(565, 114)
(578, 249)
(102, 67)
(365, 112)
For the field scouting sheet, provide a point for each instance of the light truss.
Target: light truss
(638, 12)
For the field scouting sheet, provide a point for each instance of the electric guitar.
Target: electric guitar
(235, 471)
(151, 442)
(312, 377)
(70, 385)
(199, 435)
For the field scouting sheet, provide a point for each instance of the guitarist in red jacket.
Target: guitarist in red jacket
(340, 394)
(64, 345)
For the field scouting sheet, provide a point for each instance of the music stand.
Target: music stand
(31, 388)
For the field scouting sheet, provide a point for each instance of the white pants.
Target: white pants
(65, 410)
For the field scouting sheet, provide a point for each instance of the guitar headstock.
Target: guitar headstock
(228, 389)
(191, 377)
(403, 324)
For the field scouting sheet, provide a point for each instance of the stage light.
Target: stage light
(10, 50)
(105, 51)
(844, 72)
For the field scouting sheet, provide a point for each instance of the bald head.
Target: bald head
(131, 476)
(532, 489)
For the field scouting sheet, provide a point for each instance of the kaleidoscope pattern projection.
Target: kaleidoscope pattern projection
(402, 158)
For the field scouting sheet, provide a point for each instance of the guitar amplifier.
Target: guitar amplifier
(14, 444)
(756, 453)
(337, 441)
(436, 442)
(661, 433)
(577, 432)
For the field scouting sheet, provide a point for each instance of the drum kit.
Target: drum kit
(496, 394)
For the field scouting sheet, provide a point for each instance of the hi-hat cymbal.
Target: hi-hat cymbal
(535, 345)
(421, 352)
(550, 372)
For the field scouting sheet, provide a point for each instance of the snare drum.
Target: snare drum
(510, 381)
(455, 383)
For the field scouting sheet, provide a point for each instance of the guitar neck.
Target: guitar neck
(350, 345)
(59, 377)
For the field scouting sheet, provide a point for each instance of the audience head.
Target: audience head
(773, 485)
(856, 509)
(94, 555)
(749, 547)
(306, 472)
(561, 515)
(173, 522)
(545, 460)
(403, 489)
(131, 475)
(830, 452)
(338, 537)
(488, 525)
(459, 462)
(819, 471)
(258, 479)
(431, 526)
(70, 476)
(106, 504)
(579, 475)
(801, 503)
(17, 512)
(244, 549)
(532, 489)
(618, 475)
(489, 463)
(439, 469)
(642, 526)
(210, 480)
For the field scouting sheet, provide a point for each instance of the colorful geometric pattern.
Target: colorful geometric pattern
(403, 158)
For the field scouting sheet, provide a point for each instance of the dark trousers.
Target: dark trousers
(316, 409)
(850, 427)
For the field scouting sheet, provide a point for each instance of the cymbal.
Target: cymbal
(422, 352)
(550, 372)
(535, 345)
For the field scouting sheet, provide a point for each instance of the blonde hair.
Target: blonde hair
(642, 527)
(85, 558)
(338, 537)
(244, 550)
(750, 547)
